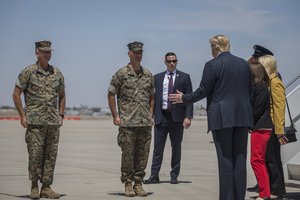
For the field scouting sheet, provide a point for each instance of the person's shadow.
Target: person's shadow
(22, 196)
(148, 193)
(122, 193)
(288, 196)
(292, 195)
(160, 182)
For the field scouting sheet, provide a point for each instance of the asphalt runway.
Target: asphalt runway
(88, 164)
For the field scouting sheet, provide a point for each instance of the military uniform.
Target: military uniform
(133, 92)
(41, 90)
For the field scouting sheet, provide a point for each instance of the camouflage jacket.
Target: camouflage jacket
(133, 94)
(41, 89)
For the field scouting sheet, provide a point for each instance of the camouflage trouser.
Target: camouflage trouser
(42, 146)
(135, 145)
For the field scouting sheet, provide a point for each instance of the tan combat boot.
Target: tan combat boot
(47, 192)
(138, 189)
(34, 193)
(128, 190)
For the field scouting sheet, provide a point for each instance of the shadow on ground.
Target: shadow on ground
(122, 193)
(23, 196)
(288, 196)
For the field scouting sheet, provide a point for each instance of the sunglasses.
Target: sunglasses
(171, 61)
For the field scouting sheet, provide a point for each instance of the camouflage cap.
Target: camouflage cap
(43, 45)
(135, 46)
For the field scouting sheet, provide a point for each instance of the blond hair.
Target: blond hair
(220, 43)
(269, 63)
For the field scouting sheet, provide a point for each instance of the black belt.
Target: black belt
(166, 112)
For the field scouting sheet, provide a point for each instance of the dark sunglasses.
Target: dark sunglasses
(171, 61)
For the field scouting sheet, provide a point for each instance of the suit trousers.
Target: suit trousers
(274, 164)
(161, 131)
(259, 142)
(231, 147)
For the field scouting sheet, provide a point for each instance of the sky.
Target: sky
(90, 38)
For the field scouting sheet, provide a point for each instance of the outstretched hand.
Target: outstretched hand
(176, 98)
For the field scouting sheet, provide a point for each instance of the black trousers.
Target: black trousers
(231, 147)
(274, 164)
(161, 131)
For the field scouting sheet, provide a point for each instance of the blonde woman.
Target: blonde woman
(277, 109)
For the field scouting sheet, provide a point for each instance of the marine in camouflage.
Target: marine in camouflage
(134, 92)
(133, 95)
(42, 146)
(135, 145)
(41, 94)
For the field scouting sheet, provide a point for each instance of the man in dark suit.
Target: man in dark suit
(169, 118)
(227, 84)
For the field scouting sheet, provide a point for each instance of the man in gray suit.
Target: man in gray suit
(227, 84)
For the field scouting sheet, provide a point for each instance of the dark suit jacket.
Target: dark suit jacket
(179, 111)
(227, 84)
(261, 107)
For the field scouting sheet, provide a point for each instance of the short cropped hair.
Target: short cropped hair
(220, 43)
(269, 63)
(170, 54)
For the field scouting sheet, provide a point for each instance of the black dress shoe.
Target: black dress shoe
(253, 189)
(174, 180)
(151, 180)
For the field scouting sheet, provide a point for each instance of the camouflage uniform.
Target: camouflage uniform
(133, 92)
(41, 97)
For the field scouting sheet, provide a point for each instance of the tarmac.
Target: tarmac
(88, 165)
